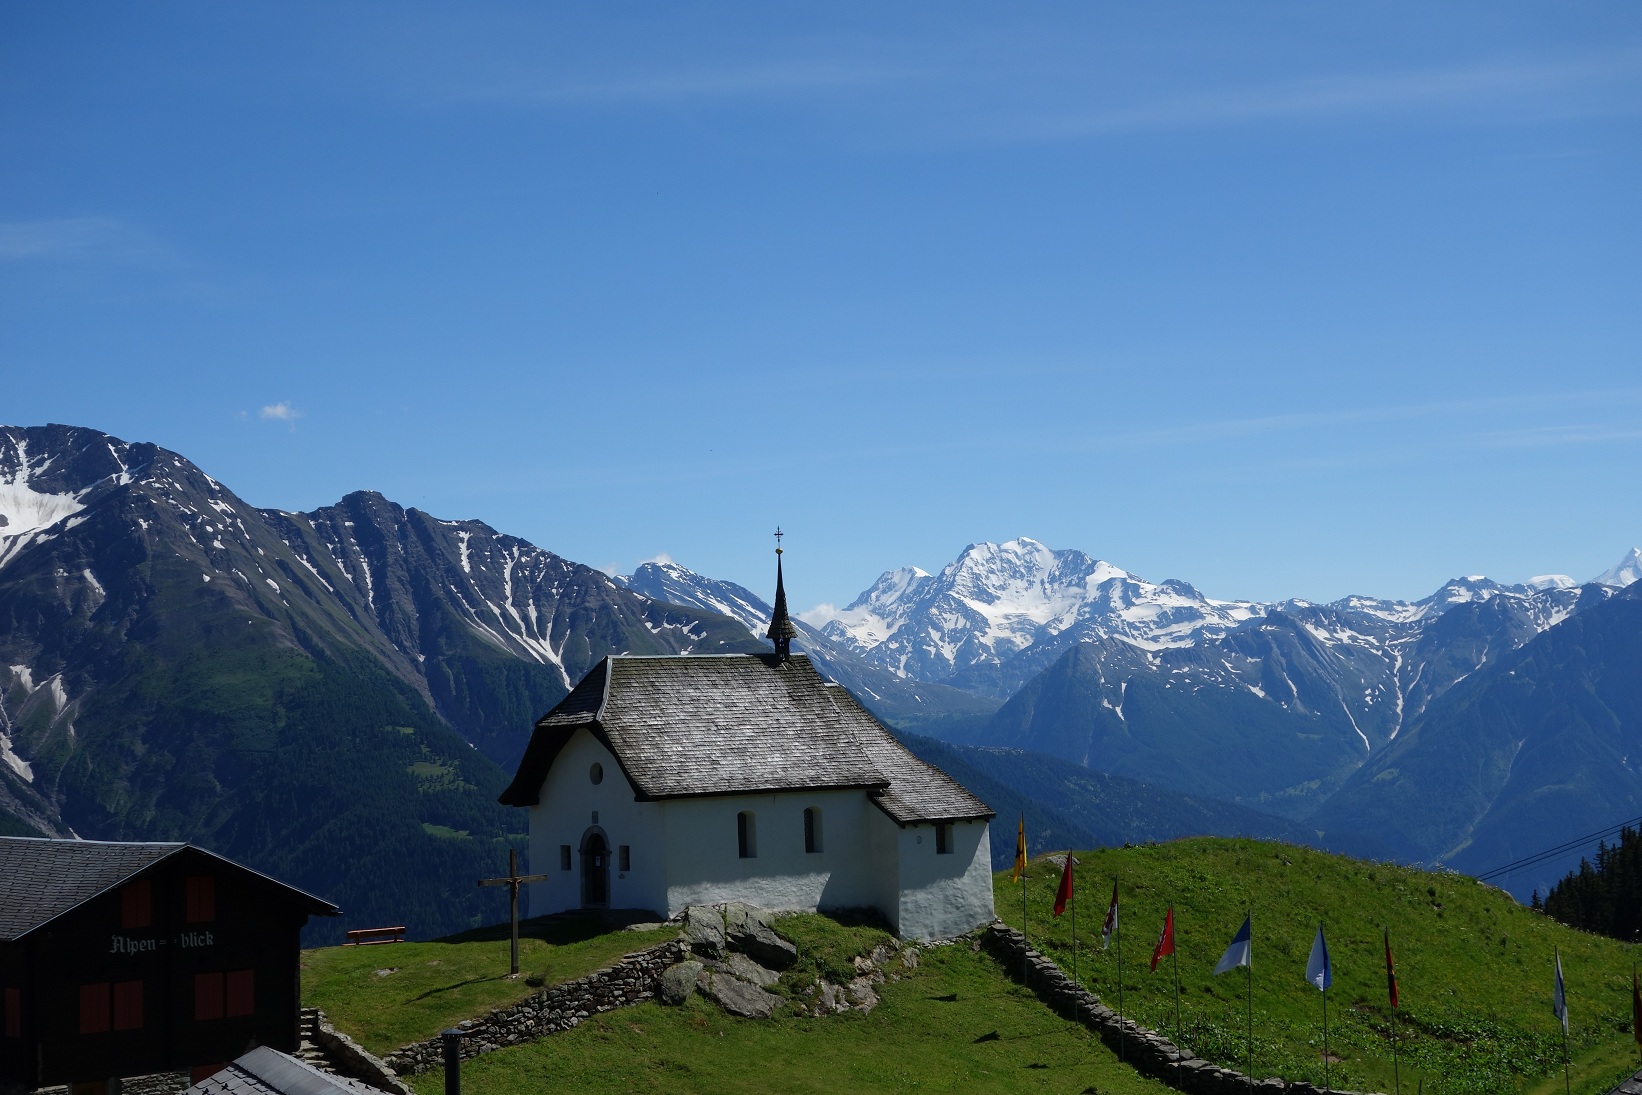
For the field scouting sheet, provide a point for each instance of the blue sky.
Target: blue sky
(1287, 299)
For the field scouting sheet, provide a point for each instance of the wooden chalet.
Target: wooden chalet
(126, 959)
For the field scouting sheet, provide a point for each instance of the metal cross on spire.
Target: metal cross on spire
(782, 632)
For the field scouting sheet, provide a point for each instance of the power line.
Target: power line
(1560, 849)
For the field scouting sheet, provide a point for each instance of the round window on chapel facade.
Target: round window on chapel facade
(596, 773)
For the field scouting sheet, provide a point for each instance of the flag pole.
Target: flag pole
(1074, 920)
(1567, 1082)
(1025, 941)
(1396, 1071)
(1174, 964)
(1117, 930)
(1251, 999)
(1562, 1000)
(1327, 1085)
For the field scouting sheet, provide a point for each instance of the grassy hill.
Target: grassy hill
(1474, 967)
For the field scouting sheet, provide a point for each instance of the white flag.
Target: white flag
(1110, 926)
(1238, 953)
(1319, 970)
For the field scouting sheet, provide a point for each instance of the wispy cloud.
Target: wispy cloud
(820, 614)
(87, 240)
(279, 412)
(660, 557)
(1328, 97)
(1229, 429)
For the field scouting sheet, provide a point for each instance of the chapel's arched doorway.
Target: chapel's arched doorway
(595, 870)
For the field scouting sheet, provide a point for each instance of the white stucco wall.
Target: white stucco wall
(564, 814)
(703, 865)
(944, 895)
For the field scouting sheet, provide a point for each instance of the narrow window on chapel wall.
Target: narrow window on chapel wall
(624, 858)
(564, 857)
(943, 838)
(812, 830)
(14, 1013)
(202, 898)
(137, 905)
(746, 835)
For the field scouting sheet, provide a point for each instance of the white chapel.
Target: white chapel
(664, 782)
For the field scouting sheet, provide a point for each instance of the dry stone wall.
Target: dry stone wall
(1149, 1052)
(556, 1008)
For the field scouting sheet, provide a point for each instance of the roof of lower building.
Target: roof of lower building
(265, 1071)
(41, 879)
(737, 724)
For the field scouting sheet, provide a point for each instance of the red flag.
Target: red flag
(1110, 926)
(1390, 970)
(1165, 942)
(1064, 894)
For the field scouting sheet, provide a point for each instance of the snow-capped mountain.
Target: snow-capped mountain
(997, 601)
(667, 581)
(1001, 613)
(1624, 572)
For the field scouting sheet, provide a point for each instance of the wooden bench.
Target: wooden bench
(365, 937)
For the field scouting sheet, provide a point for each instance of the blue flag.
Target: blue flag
(1319, 970)
(1238, 953)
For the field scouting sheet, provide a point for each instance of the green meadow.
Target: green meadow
(1474, 968)
(956, 1024)
(386, 995)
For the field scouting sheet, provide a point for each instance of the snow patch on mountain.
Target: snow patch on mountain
(26, 513)
(1623, 573)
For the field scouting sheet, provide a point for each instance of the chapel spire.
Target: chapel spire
(782, 632)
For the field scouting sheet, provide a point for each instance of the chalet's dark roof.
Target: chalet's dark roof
(41, 879)
(265, 1071)
(736, 724)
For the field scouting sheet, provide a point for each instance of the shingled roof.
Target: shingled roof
(41, 879)
(917, 791)
(736, 724)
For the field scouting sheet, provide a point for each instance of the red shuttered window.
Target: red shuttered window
(94, 1008)
(128, 1005)
(208, 996)
(241, 994)
(202, 898)
(137, 905)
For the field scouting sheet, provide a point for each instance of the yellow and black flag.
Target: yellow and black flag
(1020, 852)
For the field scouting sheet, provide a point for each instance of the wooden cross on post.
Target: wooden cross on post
(513, 881)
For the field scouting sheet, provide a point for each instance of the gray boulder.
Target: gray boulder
(739, 965)
(740, 998)
(860, 994)
(678, 982)
(704, 930)
(748, 930)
